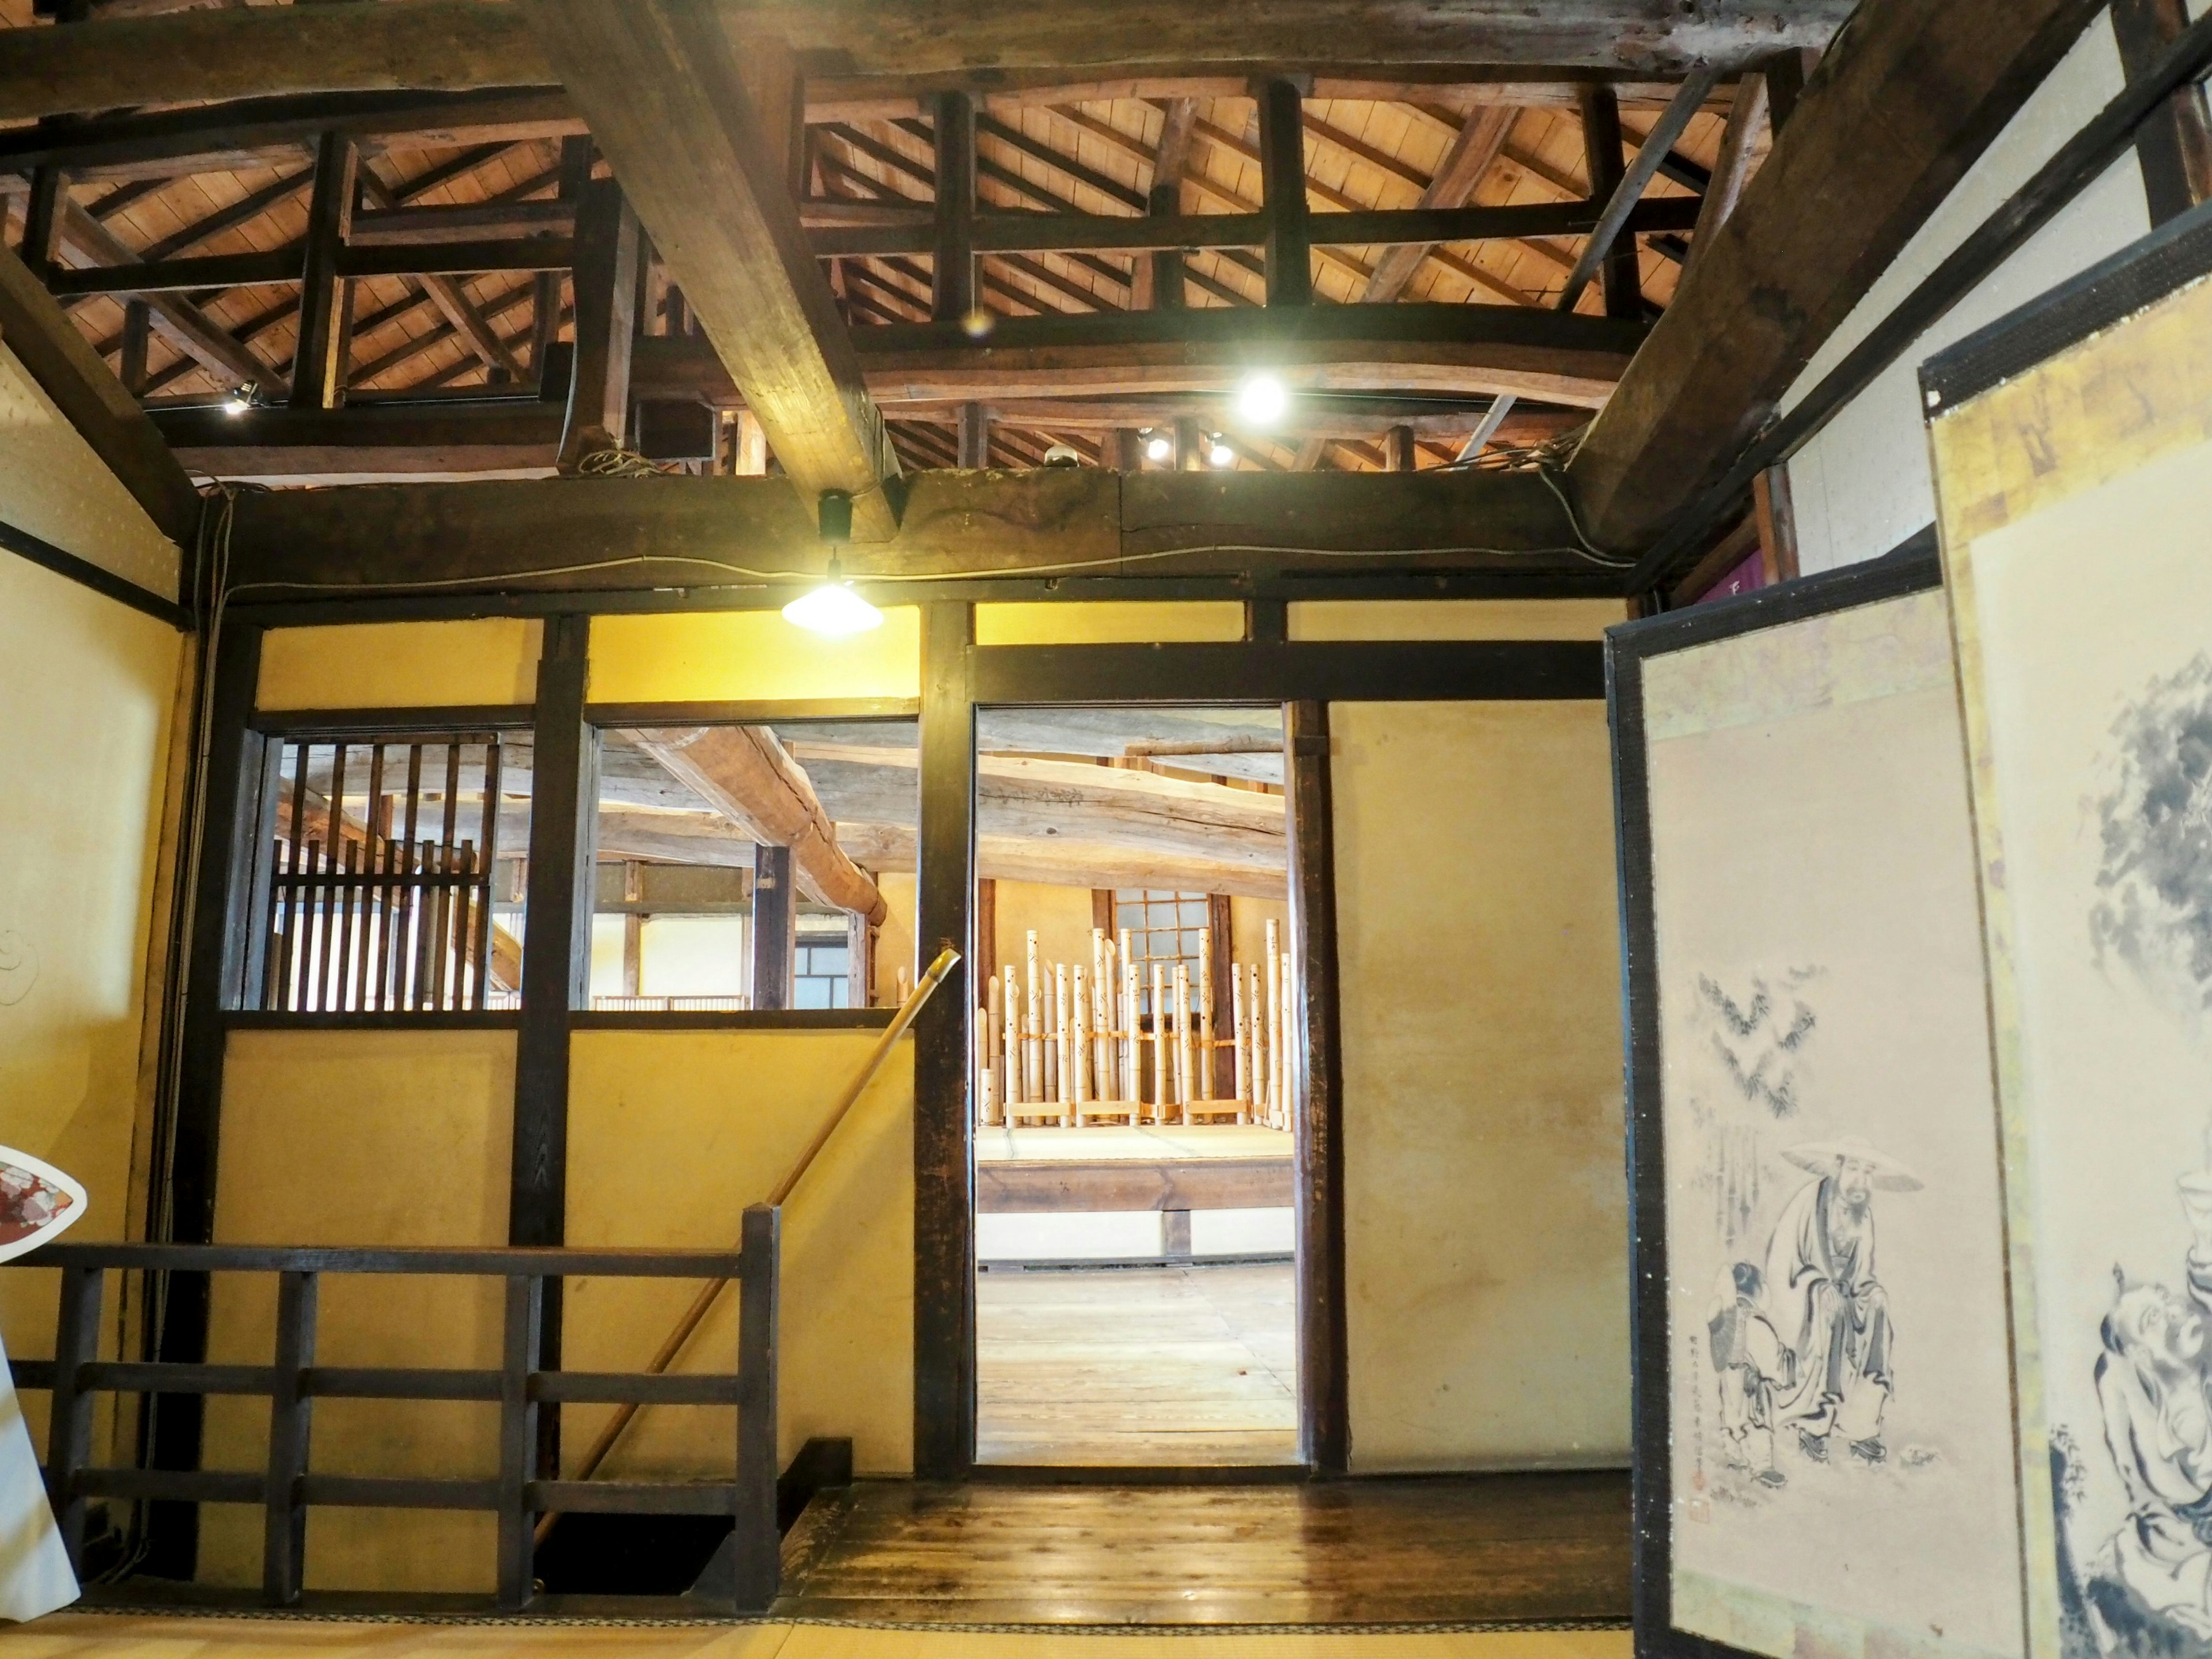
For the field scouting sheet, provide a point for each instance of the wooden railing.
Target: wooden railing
(287, 1488)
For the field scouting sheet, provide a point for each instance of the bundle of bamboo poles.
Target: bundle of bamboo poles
(1061, 1046)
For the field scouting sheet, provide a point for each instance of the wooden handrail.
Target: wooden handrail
(703, 1303)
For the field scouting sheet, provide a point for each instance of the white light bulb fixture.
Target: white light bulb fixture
(1220, 454)
(238, 401)
(1158, 447)
(833, 609)
(1262, 400)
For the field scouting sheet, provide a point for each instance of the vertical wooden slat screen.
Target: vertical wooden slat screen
(390, 909)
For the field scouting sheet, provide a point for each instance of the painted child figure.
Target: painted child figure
(1752, 1362)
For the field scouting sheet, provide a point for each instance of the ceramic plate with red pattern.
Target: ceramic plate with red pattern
(37, 1203)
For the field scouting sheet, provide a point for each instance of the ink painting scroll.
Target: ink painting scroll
(2076, 499)
(1815, 1139)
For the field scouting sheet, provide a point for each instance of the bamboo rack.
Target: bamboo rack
(1070, 1044)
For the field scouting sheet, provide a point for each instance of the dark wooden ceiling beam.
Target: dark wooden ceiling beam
(201, 56)
(1822, 219)
(671, 107)
(65, 367)
(177, 319)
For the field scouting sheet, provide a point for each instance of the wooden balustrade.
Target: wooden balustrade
(287, 1487)
(1055, 1046)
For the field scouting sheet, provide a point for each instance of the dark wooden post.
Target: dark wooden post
(605, 281)
(2174, 146)
(546, 301)
(974, 436)
(1398, 447)
(137, 333)
(523, 1343)
(231, 817)
(556, 963)
(69, 1425)
(758, 1548)
(1785, 75)
(318, 366)
(775, 923)
(1129, 449)
(953, 249)
(284, 1512)
(944, 1213)
(1623, 295)
(1189, 445)
(1283, 188)
(1164, 200)
(1324, 1414)
(42, 221)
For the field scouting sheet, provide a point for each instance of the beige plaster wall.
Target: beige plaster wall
(1485, 1202)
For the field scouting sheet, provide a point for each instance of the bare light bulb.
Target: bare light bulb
(1221, 454)
(833, 610)
(1159, 448)
(1262, 400)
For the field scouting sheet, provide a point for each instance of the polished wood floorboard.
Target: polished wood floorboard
(1146, 1142)
(1445, 1549)
(1136, 1365)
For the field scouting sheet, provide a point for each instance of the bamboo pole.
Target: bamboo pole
(1101, 976)
(1011, 997)
(1186, 1056)
(1206, 1015)
(994, 1034)
(1132, 1082)
(703, 1303)
(1033, 1033)
(1163, 1094)
(1290, 1048)
(1063, 1074)
(1274, 1028)
(1255, 1038)
(1079, 1043)
(1237, 1026)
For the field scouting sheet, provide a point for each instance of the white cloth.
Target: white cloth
(35, 1576)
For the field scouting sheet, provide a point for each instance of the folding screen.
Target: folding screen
(1824, 1426)
(2073, 445)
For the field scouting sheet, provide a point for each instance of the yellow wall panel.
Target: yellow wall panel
(1487, 1214)
(365, 1138)
(52, 485)
(1115, 621)
(671, 1135)
(1454, 619)
(424, 664)
(750, 656)
(86, 691)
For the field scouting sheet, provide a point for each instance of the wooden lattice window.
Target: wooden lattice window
(383, 877)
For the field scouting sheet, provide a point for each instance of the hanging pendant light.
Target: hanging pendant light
(833, 609)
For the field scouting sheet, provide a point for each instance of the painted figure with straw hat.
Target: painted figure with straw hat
(1825, 1302)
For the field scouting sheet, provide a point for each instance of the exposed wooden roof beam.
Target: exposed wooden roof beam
(197, 56)
(175, 318)
(1473, 149)
(669, 106)
(446, 292)
(94, 401)
(1826, 215)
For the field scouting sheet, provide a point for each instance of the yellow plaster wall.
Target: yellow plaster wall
(1454, 619)
(671, 1135)
(365, 1138)
(87, 691)
(894, 937)
(1247, 926)
(1061, 917)
(52, 485)
(750, 656)
(1113, 622)
(420, 664)
(1486, 1247)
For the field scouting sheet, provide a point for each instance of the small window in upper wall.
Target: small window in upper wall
(390, 878)
(690, 817)
(1165, 927)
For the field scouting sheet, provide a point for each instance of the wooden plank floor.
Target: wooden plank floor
(1136, 1365)
(1446, 1549)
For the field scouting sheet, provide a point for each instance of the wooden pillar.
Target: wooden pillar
(1324, 1415)
(1189, 445)
(557, 965)
(606, 273)
(1398, 447)
(1777, 524)
(944, 1287)
(1220, 989)
(1783, 72)
(576, 154)
(2174, 146)
(42, 218)
(137, 335)
(952, 249)
(319, 364)
(220, 965)
(1283, 190)
(974, 437)
(1159, 279)
(776, 926)
(1623, 295)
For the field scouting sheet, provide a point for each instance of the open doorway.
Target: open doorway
(1134, 1085)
